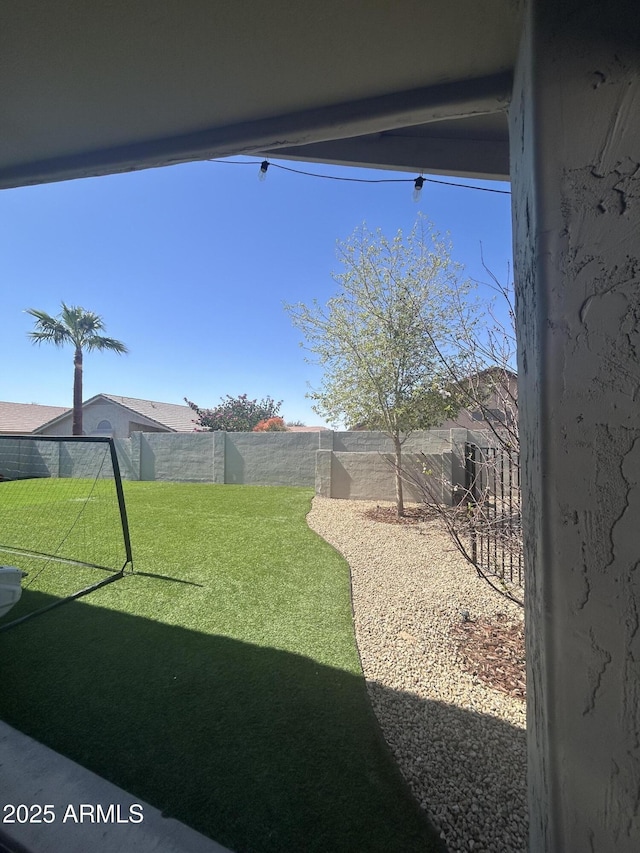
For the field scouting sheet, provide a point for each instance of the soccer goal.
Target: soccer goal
(63, 518)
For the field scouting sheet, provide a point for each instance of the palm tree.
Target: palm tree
(81, 329)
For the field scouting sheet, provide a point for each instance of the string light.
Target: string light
(418, 183)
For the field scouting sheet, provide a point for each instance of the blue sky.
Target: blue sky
(190, 266)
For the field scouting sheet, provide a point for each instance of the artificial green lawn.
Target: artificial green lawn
(221, 681)
(69, 518)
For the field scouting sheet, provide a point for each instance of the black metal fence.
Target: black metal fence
(492, 491)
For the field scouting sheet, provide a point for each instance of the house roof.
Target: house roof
(31, 417)
(24, 418)
(175, 417)
(172, 416)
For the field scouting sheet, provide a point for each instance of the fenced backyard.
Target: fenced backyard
(352, 465)
(459, 469)
(239, 619)
(220, 682)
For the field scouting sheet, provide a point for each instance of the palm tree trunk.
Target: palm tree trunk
(77, 392)
(399, 494)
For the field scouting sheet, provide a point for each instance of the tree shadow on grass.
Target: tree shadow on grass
(261, 749)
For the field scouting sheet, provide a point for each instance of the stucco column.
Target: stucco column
(575, 150)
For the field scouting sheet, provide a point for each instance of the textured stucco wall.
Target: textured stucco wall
(33, 457)
(129, 466)
(362, 465)
(97, 412)
(28, 459)
(178, 457)
(271, 458)
(575, 126)
(63, 427)
(371, 476)
(361, 468)
(365, 441)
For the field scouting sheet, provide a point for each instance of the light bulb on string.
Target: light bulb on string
(417, 182)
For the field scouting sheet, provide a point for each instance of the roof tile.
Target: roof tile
(24, 418)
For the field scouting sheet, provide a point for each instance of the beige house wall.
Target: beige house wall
(123, 422)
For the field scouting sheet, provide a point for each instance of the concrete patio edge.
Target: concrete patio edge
(85, 812)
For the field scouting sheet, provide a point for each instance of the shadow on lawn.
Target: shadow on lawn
(261, 749)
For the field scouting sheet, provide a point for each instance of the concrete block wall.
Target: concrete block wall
(174, 457)
(348, 465)
(340, 464)
(361, 465)
(271, 458)
(28, 458)
(276, 459)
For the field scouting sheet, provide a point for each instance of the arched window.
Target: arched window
(104, 426)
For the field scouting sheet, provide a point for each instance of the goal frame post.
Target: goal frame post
(122, 508)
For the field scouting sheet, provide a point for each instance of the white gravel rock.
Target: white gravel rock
(459, 744)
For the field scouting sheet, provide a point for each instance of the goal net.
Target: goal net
(63, 518)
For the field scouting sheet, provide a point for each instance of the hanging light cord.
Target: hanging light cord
(354, 180)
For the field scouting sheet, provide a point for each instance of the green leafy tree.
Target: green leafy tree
(490, 504)
(81, 329)
(235, 414)
(381, 338)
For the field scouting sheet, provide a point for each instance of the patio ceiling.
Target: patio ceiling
(90, 88)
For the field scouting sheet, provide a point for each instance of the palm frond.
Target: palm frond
(74, 325)
(48, 329)
(82, 324)
(100, 342)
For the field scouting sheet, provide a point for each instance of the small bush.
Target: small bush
(270, 425)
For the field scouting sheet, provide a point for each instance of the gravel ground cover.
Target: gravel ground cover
(430, 636)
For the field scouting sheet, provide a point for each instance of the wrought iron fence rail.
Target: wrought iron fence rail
(492, 486)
